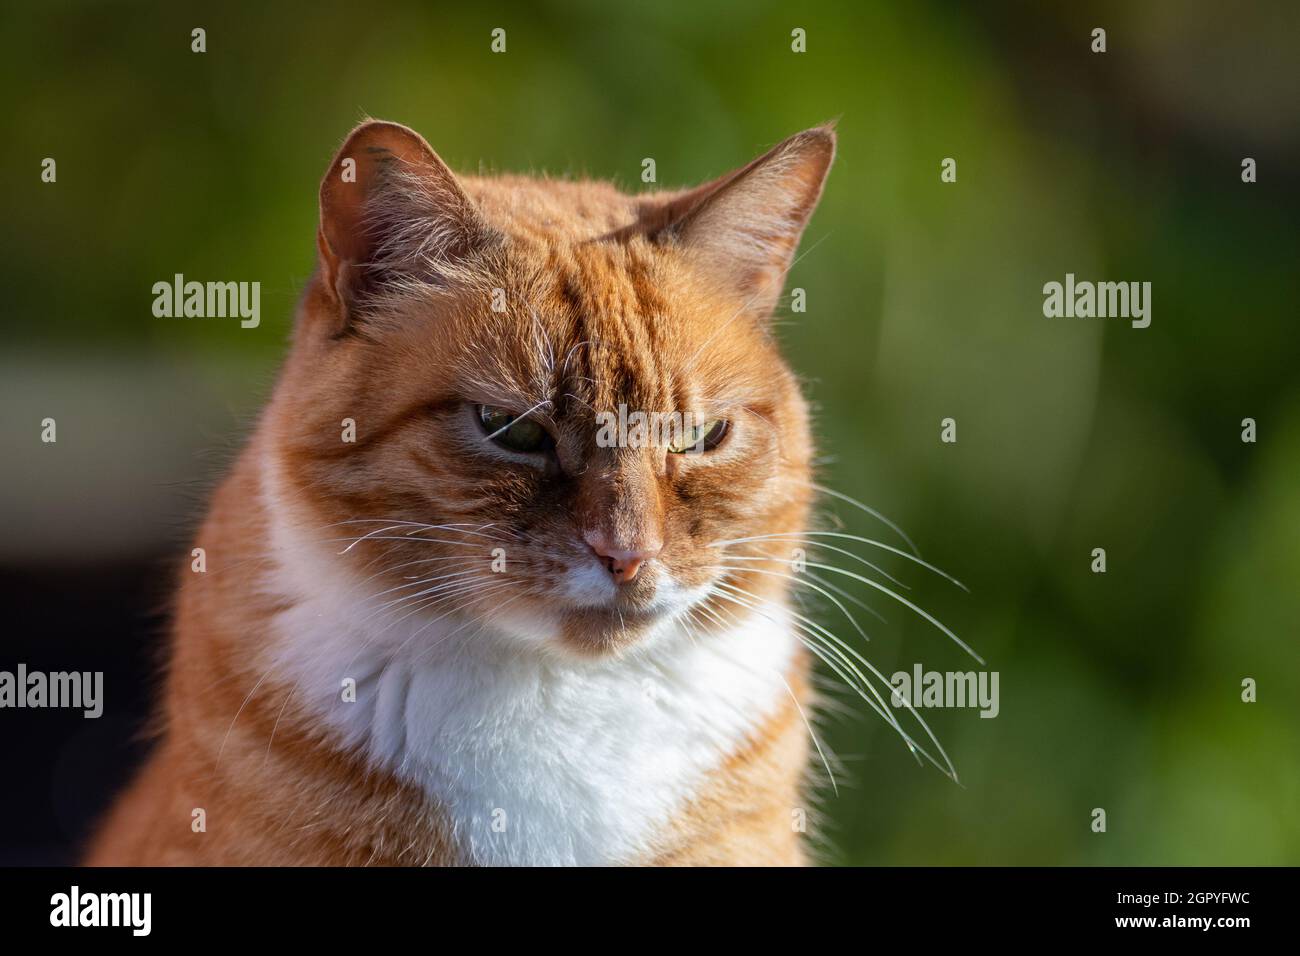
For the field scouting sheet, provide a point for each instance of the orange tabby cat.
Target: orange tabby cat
(446, 618)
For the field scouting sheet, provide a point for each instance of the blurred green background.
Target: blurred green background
(1118, 690)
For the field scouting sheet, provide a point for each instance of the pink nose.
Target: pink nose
(623, 563)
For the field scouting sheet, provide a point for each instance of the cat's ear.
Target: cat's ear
(389, 209)
(745, 226)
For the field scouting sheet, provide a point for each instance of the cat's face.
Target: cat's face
(566, 400)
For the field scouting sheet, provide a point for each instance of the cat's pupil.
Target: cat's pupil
(510, 431)
(701, 438)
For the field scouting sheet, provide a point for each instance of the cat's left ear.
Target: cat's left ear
(746, 225)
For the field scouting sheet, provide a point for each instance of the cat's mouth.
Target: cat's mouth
(630, 616)
(581, 608)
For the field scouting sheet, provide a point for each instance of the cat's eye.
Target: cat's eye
(700, 438)
(513, 432)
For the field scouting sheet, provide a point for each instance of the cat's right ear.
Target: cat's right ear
(744, 227)
(389, 208)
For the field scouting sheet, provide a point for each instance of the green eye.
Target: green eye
(701, 438)
(509, 431)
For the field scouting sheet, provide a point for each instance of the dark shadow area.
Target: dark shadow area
(64, 768)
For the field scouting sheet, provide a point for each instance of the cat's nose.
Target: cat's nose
(623, 563)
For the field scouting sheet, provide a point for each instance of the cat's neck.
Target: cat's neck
(534, 756)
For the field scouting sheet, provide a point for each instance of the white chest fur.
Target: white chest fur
(537, 759)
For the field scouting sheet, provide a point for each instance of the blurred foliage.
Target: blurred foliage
(1119, 690)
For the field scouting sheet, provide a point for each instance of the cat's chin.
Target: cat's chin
(584, 631)
(602, 631)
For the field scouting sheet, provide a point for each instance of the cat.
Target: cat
(440, 624)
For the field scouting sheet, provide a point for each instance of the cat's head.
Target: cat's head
(563, 399)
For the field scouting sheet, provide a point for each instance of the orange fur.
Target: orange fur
(656, 302)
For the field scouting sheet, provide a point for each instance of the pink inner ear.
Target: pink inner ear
(374, 148)
(395, 209)
(341, 212)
